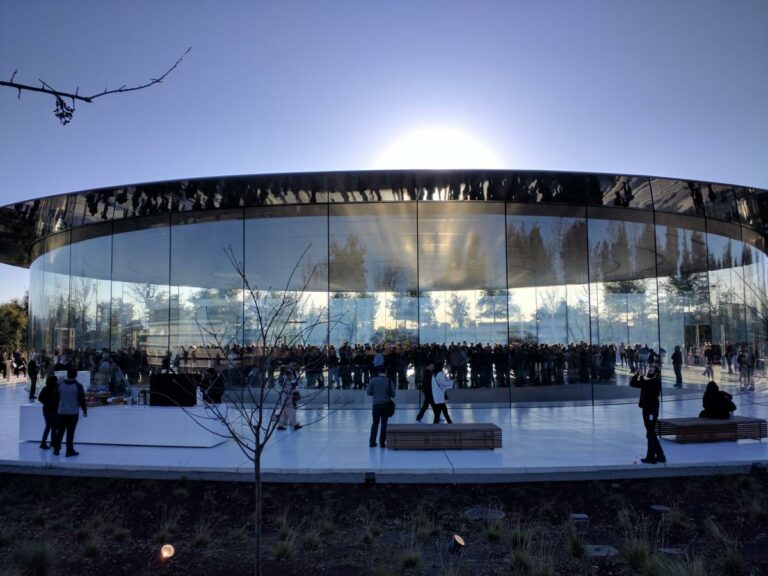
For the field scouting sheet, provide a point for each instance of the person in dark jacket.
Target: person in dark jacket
(717, 403)
(70, 397)
(426, 390)
(382, 389)
(650, 389)
(50, 410)
(32, 371)
(677, 366)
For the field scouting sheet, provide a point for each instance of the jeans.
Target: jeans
(67, 423)
(441, 409)
(379, 415)
(51, 423)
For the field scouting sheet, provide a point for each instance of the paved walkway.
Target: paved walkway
(540, 443)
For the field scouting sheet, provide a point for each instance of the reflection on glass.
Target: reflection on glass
(206, 289)
(517, 278)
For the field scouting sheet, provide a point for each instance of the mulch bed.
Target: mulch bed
(116, 526)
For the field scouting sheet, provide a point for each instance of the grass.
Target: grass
(678, 523)
(411, 560)
(169, 524)
(520, 537)
(202, 535)
(685, 567)
(32, 558)
(522, 562)
(311, 540)
(425, 527)
(574, 543)
(636, 554)
(494, 531)
(402, 530)
(285, 549)
(91, 549)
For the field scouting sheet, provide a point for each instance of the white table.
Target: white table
(136, 425)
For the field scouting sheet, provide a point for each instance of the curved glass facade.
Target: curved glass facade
(531, 285)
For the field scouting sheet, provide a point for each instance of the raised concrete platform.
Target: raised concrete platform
(193, 427)
(570, 442)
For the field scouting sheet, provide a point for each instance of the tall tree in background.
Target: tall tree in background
(13, 324)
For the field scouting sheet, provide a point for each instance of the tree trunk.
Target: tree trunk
(257, 510)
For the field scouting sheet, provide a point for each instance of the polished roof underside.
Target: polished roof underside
(24, 223)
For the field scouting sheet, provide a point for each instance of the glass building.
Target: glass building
(531, 285)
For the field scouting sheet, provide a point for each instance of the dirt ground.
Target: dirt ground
(63, 525)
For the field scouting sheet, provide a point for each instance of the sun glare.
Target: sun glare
(432, 148)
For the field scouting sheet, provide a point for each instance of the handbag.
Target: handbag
(390, 411)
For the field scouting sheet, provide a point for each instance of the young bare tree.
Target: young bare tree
(65, 111)
(280, 320)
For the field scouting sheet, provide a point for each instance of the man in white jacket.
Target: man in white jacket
(440, 383)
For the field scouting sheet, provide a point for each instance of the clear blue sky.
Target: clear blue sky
(648, 86)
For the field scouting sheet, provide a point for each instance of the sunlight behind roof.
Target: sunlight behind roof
(436, 148)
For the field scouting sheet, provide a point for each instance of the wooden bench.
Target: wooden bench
(443, 436)
(709, 430)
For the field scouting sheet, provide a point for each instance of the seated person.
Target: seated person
(717, 404)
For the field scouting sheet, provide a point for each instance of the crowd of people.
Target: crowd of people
(350, 366)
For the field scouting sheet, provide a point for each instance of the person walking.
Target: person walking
(426, 390)
(440, 383)
(650, 389)
(70, 398)
(50, 410)
(382, 389)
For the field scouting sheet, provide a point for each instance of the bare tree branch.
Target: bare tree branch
(64, 111)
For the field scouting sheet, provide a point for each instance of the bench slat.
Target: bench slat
(711, 430)
(443, 436)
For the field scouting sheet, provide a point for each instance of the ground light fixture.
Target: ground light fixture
(456, 545)
(167, 551)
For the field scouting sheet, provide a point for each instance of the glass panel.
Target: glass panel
(750, 206)
(620, 191)
(373, 273)
(547, 302)
(38, 310)
(461, 256)
(92, 206)
(286, 254)
(622, 272)
(684, 296)
(56, 334)
(679, 196)
(726, 292)
(140, 290)
(90, 288)
(721, 202)
(206, 288)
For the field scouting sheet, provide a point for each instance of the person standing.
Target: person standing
(50, 410)
(70, 398)
(32, 371)
(677, 366)
(288, 402)
(382, 389)
(440, 383)
(650, 389)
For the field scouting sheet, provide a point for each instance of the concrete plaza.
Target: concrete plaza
(540, 442)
